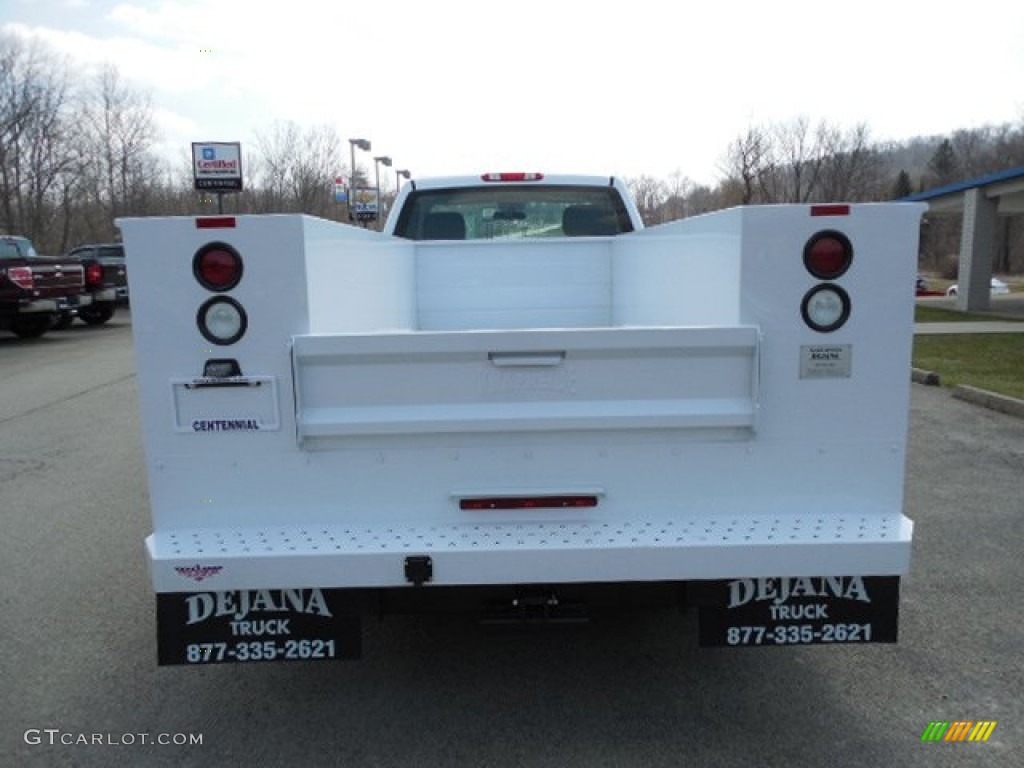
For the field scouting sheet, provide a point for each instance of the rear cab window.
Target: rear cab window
(512, 211)
(17, 248)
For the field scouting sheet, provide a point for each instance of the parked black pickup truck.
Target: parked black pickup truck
(106, 283)
(35, 289)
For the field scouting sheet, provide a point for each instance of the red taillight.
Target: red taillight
(512, 176)
(21, 277)
(828, 254)
(528, 502)
(93, 274)
(217, 267)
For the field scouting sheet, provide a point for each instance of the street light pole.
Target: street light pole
(377, 162)
(363, 144)
(400, 174)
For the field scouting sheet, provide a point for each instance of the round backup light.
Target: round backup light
(217, 267)
(222, 320)
(828, 254)
(825, 308)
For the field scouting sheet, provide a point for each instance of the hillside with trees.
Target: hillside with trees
(77, 150)
(801, 162)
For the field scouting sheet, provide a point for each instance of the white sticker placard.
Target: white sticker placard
(826, 361)
(209, 406)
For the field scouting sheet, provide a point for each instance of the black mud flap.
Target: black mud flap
(257, 625)
(798, 611)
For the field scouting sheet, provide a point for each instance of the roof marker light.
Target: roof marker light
(215, 222)
(830, 210)
(512, 176)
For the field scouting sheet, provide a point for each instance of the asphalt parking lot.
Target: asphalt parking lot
(77, 655)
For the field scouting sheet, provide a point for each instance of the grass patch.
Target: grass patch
(992, 361)
(923, 314)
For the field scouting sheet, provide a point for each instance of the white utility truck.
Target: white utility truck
(519, 401)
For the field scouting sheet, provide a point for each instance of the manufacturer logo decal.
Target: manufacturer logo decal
(198, 572)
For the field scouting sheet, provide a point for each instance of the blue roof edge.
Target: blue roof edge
(961, 186)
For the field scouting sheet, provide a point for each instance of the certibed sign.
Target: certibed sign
(217, 166)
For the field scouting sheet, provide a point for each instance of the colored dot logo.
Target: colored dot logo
(959, 730)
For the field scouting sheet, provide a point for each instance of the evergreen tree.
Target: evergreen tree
(944, 165)
(902, 186)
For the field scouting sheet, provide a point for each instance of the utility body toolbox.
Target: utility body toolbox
(339, 422)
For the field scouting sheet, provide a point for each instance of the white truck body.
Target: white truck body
(410, 416)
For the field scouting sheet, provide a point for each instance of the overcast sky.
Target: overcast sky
(575, 86)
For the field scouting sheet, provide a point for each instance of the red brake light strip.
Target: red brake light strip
(512, 176)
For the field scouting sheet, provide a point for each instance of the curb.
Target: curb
(921, 376)
(991, 400)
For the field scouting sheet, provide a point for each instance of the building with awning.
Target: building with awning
(981, 201)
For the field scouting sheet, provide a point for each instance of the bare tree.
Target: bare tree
(649, 194)
(704, 199)
(851, 168)
(798, 155)
(34, 128)
(746, 162)
(295, 168)
(1008, 149)
(677, 190)
(117, 168)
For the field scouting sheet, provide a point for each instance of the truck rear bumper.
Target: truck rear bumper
(329, 556)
